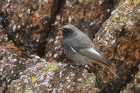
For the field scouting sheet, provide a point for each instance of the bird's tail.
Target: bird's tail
(103, 64)
(112, 71)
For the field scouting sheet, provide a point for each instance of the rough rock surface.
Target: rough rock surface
(133, 86)
(53, 78)
(29, 29)
(120, 33)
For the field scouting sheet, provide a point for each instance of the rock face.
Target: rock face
(29, 29)
(51, 77)
(120, 33)
(29, 23)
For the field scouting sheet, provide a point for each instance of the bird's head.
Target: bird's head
(68, 30)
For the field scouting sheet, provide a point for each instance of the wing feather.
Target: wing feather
(91, 53)
(96, 56)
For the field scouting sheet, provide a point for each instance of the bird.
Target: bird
(80, 48)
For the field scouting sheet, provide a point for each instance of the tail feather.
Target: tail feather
(103, 64)
(111, 70)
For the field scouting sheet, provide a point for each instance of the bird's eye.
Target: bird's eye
(66, 29)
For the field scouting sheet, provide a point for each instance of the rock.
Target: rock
(49, 77)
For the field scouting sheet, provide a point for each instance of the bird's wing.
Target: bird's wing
(85, 47)
(96, 56)
(90, 52)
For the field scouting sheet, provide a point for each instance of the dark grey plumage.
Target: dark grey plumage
(80, 49)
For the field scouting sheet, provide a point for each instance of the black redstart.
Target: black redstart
(80, 49)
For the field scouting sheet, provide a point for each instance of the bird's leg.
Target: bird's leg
(76, 68)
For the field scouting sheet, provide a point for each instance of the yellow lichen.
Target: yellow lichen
(87, 81)
(115, 20)
(43, 70)
(136, 2)
(33, 79)
(52, 67)
(121, 18)
(27, 91)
